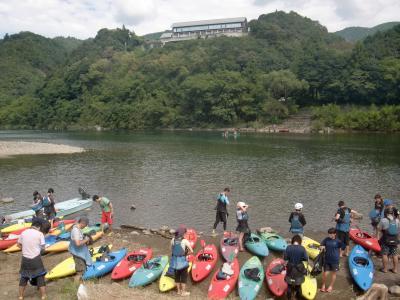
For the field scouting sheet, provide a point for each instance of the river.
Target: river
(174, 177)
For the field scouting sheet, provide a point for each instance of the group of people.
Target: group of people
(384, 220)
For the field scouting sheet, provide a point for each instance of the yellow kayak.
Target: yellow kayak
(63, 245)
(15, 227)
(309, 286)
(168, 283)
(67, 267)
(312, 247)
(57, 231)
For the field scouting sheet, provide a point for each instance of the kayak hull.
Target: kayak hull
(229, 251)
(311, 246)
(191, 236)
(144, 276)
(276, 282)
(248, 289)
(202, 268)
(273, 241)
(309, 287)
(365, 240)
(168, 283)
(256, 245)
(220, 289)
(361, 267)
(61, 246)
(101, 268)
(130, 263)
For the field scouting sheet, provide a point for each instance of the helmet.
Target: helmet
(387, 202)
(298, 206)
(241, 205)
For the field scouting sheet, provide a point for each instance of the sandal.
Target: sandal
(323, 290)
(382, 270)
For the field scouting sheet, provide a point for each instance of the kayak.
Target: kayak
(229, 246)
(311, 246)
(191, 236)
(273, 241)
(361, 267)
(309, 286)
(105, 265)
(275, 277)
(9, 241)
(131, 262)
(220, 289)
(149, 272)
(256, 245)
(167, 281)
(251, 278)
(204, 261)
(55, 230)
(67, 266)
(19, 227)
(364, 239)
(48, 240)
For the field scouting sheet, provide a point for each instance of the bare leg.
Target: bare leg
(179, 288)
(21, 291)
(347, 250)
(395, 263)
(385, 261)
(43, 292)
(324, 275)
(241, 235)
(330, 288)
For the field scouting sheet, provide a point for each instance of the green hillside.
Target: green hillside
(354, 34)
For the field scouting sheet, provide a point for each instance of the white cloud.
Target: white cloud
(83, 18)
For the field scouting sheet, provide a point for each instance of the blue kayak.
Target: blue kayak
(256, 245)
(273, 241)
(105, 265)
(149, 271)
(361, 267)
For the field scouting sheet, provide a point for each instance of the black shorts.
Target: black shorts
(80, 264)
(181, 275)
(331, 267)
(38, 281)
(220, 217)
(344, 237)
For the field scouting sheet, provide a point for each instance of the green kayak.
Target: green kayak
(251, 278)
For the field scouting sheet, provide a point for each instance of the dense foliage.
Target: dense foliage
(117, 81)
(354, 34)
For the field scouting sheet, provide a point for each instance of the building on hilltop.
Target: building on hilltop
(205, 29)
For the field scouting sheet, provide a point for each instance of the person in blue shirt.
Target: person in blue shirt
(222, 212)
(332, 247)
(343, 221)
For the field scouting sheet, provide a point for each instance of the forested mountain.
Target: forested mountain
(354, 34)
(113, 81)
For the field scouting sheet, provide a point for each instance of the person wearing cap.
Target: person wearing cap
(78, 245)
(388, 231)
(221, 208)
(107, 211)
(343, 220)
(297, 220)
(180, 249)
(242, 218)
(331, 247)
(375, 214)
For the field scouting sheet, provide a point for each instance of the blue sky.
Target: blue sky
(83, 18)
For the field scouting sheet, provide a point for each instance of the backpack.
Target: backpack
(295, 224)
(318, 264)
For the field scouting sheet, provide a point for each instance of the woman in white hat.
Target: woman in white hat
(242, 217)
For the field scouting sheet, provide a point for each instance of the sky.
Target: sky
(83, 18)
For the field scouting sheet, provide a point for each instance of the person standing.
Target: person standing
(222, 212)
(376, 213)
(297, 220)
(242, 218)
(78, 245)
(388, 231)
(37, 205)
(343, 221)
(107, 211)
(332, 247)
(49, 206)
(295, 255)
(31, 241)
(180, 249)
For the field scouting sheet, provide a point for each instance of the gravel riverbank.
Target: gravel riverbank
(8, 148)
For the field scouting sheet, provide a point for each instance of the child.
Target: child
(107, 211)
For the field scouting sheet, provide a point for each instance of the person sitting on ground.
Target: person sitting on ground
(107, 211)
(180, 249)
(242, 218)
(295, 255)
(78, 245)
(332, 247)
(297, 220)
(343, 220)
(388, 239)
(222, 212)
(49, 206)
(37, 205)
(376, 213)
(31, 241)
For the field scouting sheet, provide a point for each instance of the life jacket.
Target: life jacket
(178, 258)
(375, 216)
(241, 215)
(390, 235)
(295, 224)
(343, 223)
(46, 201)
(221, 205)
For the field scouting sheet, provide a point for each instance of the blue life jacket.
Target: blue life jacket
(375, 216)
(178, 258)
(295, 224)
(46, 201)
(390, 235)
(241, 215)
(343, 223)
(393, 228)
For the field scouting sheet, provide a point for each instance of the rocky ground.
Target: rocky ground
(134, 238)
(8, 148)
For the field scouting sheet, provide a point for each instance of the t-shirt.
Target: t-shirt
(295, 254)
(32, 241)
(76, 234)
(332, 252)
(184, 244)
(105, 204)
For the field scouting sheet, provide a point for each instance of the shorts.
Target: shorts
(106, 218)
(80, 264)
(344, 237)
(181, 275)
(389, 250)
(37, 281)
(331, 267)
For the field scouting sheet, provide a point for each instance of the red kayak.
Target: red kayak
(131, 262)
(275, 277)
(220, 289)
(9, 241)
(364, 239)
(229, 246)
(191, 236)
(204, 261)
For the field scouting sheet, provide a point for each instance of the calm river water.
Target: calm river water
(174, 177)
